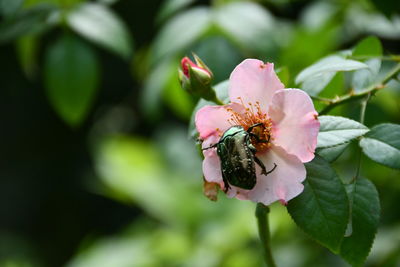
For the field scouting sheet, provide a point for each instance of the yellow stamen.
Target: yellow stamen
(253, 115)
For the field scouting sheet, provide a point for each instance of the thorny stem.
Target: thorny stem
(263, 231)
(353, 96)
(322, 99)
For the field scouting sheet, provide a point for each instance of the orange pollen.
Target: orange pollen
(253, 115)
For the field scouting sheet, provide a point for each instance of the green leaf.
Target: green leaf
(163, 84)
(382, 144)
(332, 153)
(101, 25)
(107, 2)
(322, 209)
(154, 86)
(314, 85)
(317, 14)
(247, 23)
(133, 170)
(337, 130)
(178, 100)
(27, 48)
(365, 21)
(388, 102)
(329, 64)
(221, 90)
(181, 31)
(365, 77)
(330, 83)
(9, 7)
(370, 46)
(220, 55)
(365, 210)
(30, 21)
(169, 7)
(59, 3)
(71, 78)
(298, 53)
(335, 87)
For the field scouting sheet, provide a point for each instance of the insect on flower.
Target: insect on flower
(263, 136)
(238, 157)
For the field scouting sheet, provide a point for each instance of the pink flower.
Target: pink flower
(289, 122)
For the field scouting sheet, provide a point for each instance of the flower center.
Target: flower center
(252, 116)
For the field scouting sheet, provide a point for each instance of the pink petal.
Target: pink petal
(253, 81)
(284, 183)
(238, 193)
(211, 120)
(212, 170)
(211, 163)
(295, 123)
(210, 141)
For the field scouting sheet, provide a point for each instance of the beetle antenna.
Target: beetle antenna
(212, 146)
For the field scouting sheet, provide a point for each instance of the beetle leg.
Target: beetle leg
(226, 184)
(262, 166)
(252, 148)
(213, 146)
(253, 126)
(258, 138)
(268, 172)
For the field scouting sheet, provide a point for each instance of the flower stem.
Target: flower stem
(263, 230)
(217, 101)
(214, 98)
(357, 95)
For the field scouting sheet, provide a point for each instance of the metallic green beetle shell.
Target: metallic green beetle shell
(237, 158)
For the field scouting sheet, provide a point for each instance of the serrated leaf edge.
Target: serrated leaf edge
(362, 148)
(332, 146)
(311, 237)
(318, 241)
(348, 141)
(374, 234)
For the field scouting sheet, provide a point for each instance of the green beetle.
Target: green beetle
(237, 155)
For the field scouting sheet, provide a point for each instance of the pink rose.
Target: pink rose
(187, 64)
(196, 78)
(289, 122)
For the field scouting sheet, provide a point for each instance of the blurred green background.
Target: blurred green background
(96, 167)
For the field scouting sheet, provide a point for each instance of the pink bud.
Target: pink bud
(196, 78)
(186, 63)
